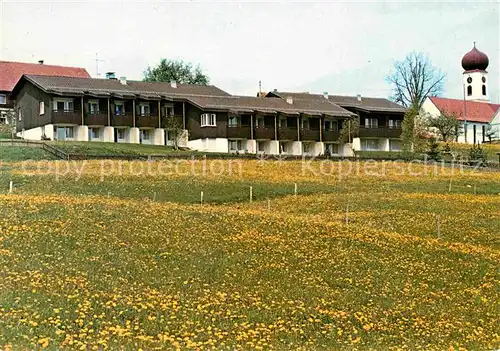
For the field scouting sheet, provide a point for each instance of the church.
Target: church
(479, 116)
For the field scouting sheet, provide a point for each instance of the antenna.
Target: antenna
(97, 60)
(260, 88)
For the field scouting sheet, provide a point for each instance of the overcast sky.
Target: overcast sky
(342, 48)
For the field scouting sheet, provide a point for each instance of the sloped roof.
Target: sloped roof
(11, 72)
(270, 105)
(106, 87)
(482, 112)
(369, 104)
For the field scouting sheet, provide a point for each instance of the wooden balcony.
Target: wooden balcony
(97, 118)
(146, 120)
(266, 132)
(165, 123)
(287, 133)
(331, 135)
(67, 117)
(394, 132)
(238, 131)
(123, 120)
(309, 134)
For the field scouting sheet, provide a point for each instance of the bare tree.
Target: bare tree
(174, 127)
(414, 79)
(446, 125)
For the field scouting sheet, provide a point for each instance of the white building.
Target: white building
(476, 112)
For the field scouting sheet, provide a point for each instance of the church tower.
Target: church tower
(475, 76)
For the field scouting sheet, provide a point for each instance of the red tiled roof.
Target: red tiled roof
(11, 72)
(475, 111)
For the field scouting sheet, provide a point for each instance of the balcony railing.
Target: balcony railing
(97, 118)
(379, 132)
(309, 134)
(142, 121)
(264, 132)
(331, 135)
(171, 121)
(287, 133)
(66, 117)
(122, 120)
(238, 131)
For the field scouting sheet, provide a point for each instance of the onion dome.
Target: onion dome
(474, 60)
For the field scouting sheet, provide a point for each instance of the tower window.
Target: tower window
(469, 90)
(484, 79)
(484, 90)
(469, 80)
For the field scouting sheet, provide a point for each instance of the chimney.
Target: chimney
(289, 100)
(123, 80)
(325, 95)
(40, 62)
(275, 90)
(110, 75)
(173, 84)
(359, 97)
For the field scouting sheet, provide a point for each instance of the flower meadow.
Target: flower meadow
(368, 260)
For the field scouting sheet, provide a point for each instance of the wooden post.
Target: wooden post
(133, 113)
(83, 107)
(11, 187)
(298, 128)
(268, 204)
(449, 186)
(295, 189)
(251, 194)
(154, 196)
(109, 113)
(321, 129)
(159, 114)
(184, 115)
(275, 128)
(201, 198)
(251, 127)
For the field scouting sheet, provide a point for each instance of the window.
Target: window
(306, 147)
(282, 123)
(42, 108)
(259, 122)
(208, 120)
(69, 132)
(395, 145)
(144, 134)
(3, 99)
(94, 133)
(233, 121)
(331, 149)
(369, 145)
(484, 132)
(63, 105)
(474, 132)
(371, 123)
(330, 125)
(144, 109)
(395, 124)
(283, 147)
(94, 107)
(120, 134)
(484, 90)
(469, 90)
(119, 108)
(261, 146)
(305, 123)
(234, 145)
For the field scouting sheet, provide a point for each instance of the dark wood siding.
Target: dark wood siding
(197, 132)
(28, 101)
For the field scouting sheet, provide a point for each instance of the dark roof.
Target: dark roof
(11, 72)
(269, 105)
(481, 112)
(369, 104)
(107, 87)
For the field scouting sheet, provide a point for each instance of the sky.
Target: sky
(343, 48)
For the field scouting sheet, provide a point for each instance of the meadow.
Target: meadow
(369, 255)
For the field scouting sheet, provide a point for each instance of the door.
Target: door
(61, 133)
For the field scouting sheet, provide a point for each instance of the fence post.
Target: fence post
(268, 204)
(11, 187)
(201, 198)
(295, 189)
(251, 194)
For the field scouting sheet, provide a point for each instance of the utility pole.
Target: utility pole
(465, 117)
(260, 88)
(97, 60)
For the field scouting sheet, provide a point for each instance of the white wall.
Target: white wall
(209, 145)
(470, 133)
(81, 133)
(477, 86)
(134, 135)
(108, 134)
(31, 134)
(159, 136)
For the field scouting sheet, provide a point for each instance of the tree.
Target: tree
(174, 127)
(350, 128)
(177, 71)
(414, 131)
(447, 126)
(491, 133)
(414, 79)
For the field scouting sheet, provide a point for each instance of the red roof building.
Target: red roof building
(480, 112)
(11, 72)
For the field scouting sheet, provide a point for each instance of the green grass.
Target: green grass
(16, 153)
(102, 148)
